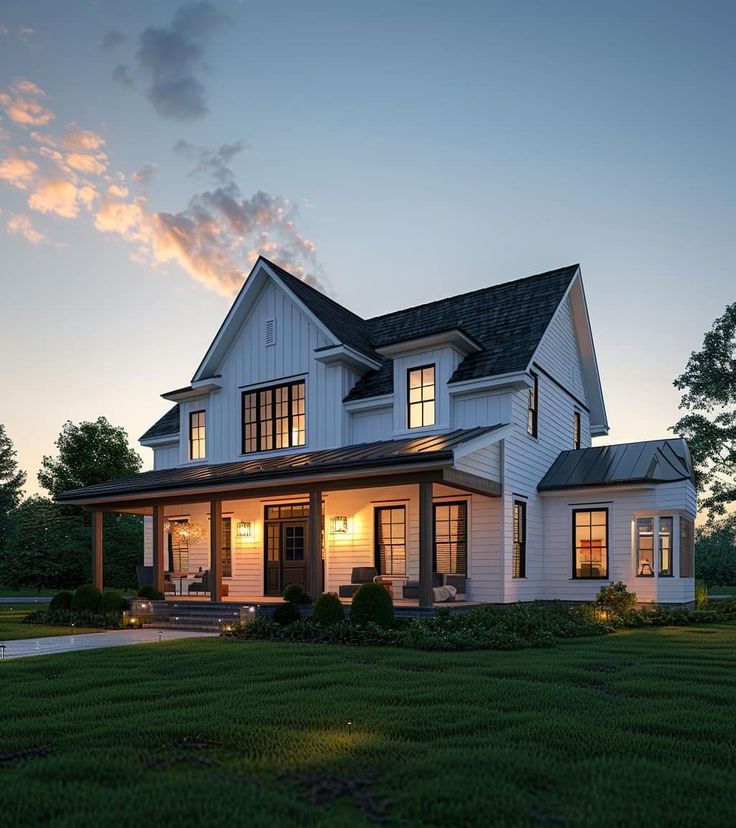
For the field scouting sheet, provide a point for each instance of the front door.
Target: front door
(286, 555)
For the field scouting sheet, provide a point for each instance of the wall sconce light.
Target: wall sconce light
(245, 529)
(339, 525)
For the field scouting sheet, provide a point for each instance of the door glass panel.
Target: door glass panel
(294, 543)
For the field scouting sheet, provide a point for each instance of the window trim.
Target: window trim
(686, 521)
(655, 545)
(262, 389)
(376, 552)
(435, 504)
(421, 403)
(522, 543)
(574, 512)
(671, 573)
(192, 414)
(576, 430)
(533, 392)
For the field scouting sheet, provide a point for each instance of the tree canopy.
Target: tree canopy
(709, 398)
(12, 480)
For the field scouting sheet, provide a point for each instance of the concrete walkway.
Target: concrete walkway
(26, 599)
(54, 645)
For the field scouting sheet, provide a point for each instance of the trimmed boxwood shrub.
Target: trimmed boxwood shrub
(86, 599)
(372, 604)
(296, 595)
(151, 593)
(112, 601)
(328, 610)
(62, 600)
(287, 613)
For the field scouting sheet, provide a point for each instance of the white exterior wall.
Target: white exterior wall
(371, 425)
(166, 456)
(480, 409)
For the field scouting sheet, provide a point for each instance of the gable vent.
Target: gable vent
(270, 335)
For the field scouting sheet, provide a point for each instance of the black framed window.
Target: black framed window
(451, 538)
(197, 445)
(227, 547)
(645, 547)
(421, 396)
(275, 417)
(390, 535)
(519, 544)
(532, 419)
(590, 543)
(687, 543)
(576, 430)
(666, 525)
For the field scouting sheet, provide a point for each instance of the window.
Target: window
(665, 546)
(421, 396)
(227, 547)
(576, 430)
(451, 538)
(275, 417)
(519, 548)
(391, 540)
(532, 419)
(590, 543)
(687, 541)
(196, 435)
(645, 547)
(178, 550)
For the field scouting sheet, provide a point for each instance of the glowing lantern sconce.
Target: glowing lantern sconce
(339, 525)
(246, 529)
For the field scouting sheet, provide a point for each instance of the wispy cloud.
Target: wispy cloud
(18, 172)
(111, 40)
(22, 104)
(21, 225)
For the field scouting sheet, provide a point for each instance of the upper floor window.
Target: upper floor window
(532, 419)
(275, 417)
(421, 396)
(197, 447)
(519, 548)
(590, 543)
(576, 430)
(451, 538)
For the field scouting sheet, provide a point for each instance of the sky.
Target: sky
(391, 153)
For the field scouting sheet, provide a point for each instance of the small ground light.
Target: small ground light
(160, 635)
(350, 727)
(2, 652)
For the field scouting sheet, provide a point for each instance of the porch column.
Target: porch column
(314, 546)
(426, 540)
(97, 516)
(216, 550)
(158, 548)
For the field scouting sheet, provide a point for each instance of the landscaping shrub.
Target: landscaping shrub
(112, 601)
(67, 618)
(287, 613)
(328, 610)
(86, 599)
(616, 598)
(295, 594)
(62, 600)
(151, 593)
(701, 593)
(372, 604)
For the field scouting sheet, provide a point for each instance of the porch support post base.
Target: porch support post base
(314, 546)
(97, 517)
(216, 550)
(426, 539)
(158, 548)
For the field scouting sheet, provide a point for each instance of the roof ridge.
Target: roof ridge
(630, 443)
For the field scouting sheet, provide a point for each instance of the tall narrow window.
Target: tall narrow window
(519, 546)
(590, 543)
(227, 547)
(196, 435)
(532, 425)
(576, 430)
(687, 541)
(421, 396)
(451, 538)
(665, 546)
(391, 540)
(645, 547)
(275, 417)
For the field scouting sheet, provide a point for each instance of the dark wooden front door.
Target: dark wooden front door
(286, 555)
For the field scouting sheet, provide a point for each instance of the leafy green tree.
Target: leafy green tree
(709, 397)
(12, 480)
(715, 552)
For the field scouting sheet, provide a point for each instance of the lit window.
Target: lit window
(196, 435)
(275, 417)
(687, 541)
(451, 538)
(532, 418)
(665, 546)
(645, 547)
(576, 430)
(519, 547)
(590, 543)
(391, 540)
(421, 396)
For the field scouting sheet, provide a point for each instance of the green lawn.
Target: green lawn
(632, 728)
(13, 628)
(722, 590)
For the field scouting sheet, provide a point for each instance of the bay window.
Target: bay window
(645, 547)
(665, 546)
(687, 542)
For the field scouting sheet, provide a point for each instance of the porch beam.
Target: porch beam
(466, 481)
(97, 540)
(158, 548)
(314, 546)
(216, 550)
(426, 540)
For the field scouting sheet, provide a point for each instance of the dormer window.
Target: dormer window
(197, 447)
(532, 425)
(421, 404)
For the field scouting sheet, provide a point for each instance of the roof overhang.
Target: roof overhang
(161, 440)
(344, 354)
(519, 379)
(196, 389)
(454, 338)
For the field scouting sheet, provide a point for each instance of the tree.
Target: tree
(89, 453)
(709, 386)
(715, 552)
(12, 480)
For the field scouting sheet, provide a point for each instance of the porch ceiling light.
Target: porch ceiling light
(339, 525)
(245, 528)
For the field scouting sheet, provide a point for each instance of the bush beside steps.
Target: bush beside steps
(85, 607)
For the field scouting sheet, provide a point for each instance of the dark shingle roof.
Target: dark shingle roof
(168, 424)
(407, 451)
(653, 461)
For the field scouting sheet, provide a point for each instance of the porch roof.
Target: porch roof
(404, 454)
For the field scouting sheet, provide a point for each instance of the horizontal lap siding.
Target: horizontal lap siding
(485, 462)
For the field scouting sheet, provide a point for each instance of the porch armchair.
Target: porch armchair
(360, 575)
(411, 588)
(201, 586)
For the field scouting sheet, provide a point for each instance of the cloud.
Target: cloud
(22, 106)
(144, 174)
(212, 163)
(170, 62)
(111, 40)
(21, 225)
(57, 196)
(81, 140)
(90, 164)
(18, 171)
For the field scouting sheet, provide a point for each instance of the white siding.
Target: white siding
(369, 426)
(166, 456)
(480, 409)
(485, 462)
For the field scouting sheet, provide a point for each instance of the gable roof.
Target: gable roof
(165, 426)
(652, 461)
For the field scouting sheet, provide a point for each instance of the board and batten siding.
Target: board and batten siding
(166, 456)
(480, 409)
(371, 425)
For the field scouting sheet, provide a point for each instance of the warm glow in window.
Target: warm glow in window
(645, 547)
(391, 540)
(421, 396)
(532, 419)
(451, 538)
(576, 430)
(590, 543)
(665, 546)
(197, 446)
(519, 547)
(275, 418)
